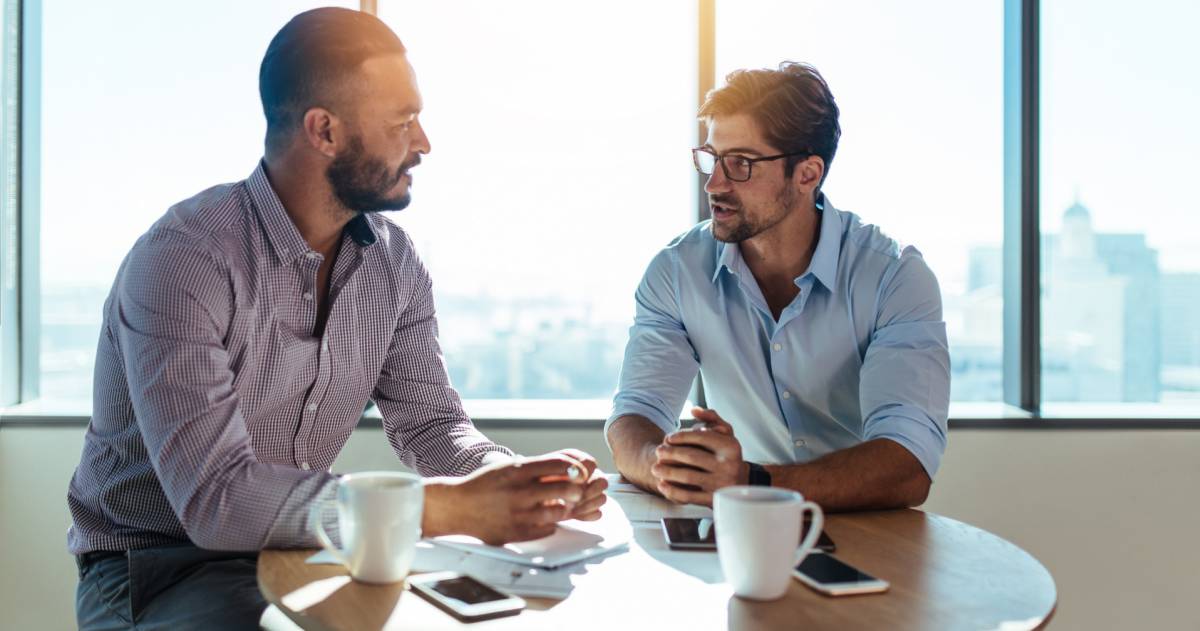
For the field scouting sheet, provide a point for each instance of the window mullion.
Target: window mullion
(1022, 240)
(30, 193)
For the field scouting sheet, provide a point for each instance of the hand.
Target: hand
(690, 465)
(510, 501)
(588, 507)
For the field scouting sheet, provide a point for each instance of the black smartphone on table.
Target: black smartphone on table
(464, 597)
(684, 533)
(834, 577)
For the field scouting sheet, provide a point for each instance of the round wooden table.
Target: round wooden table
(944, 574)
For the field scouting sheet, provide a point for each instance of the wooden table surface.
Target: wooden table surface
(944, 574)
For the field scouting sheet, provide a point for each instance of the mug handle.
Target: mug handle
(814, 531)
(315, 514)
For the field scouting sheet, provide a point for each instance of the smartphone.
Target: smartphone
(826, 574)
(701, 534)
(689, 533)
(464, 597)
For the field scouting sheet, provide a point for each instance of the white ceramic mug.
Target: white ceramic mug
(379, 518)
(757, 531)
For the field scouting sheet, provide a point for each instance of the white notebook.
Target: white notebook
(512, 578)
(573, 541)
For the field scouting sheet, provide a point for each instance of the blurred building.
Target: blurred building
(1100, 314)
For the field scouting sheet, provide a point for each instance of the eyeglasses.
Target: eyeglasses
(736, 167)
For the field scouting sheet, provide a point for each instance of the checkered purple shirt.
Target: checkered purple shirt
(216, 413)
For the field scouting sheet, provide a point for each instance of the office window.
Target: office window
(922, 132)
(560, 165)
(144, 103)
(1120, 269)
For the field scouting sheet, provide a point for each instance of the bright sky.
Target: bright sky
(561, 130)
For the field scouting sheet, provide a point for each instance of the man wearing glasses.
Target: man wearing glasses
(819, 339)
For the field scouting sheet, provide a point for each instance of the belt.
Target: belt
(88, 558)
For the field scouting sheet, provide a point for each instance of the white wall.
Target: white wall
(1114, 515)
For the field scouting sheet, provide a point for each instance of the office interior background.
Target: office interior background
(1046, 172)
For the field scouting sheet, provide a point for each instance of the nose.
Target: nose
(421, 143)
(717, 182)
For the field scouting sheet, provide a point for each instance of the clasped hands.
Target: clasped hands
(691, 464)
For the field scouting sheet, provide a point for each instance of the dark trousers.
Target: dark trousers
(178, 587)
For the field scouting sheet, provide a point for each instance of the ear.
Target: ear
(322, 131)
(807, 176)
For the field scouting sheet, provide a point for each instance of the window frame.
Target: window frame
(1021, 407)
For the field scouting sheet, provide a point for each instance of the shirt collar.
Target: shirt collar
(284, 237)
(824, 262)
(729, 258)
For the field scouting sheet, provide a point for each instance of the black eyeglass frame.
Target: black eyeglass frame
(720, 159)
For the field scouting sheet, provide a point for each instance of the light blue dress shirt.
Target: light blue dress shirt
(859, 354)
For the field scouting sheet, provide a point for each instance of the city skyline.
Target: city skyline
(556, 347)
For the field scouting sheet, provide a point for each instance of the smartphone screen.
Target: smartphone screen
(701, 533)
(695, 532)
(823, 568)
(466, 590)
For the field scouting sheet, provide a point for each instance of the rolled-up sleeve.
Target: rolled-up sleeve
(422, 413)
(174, 308)
(905, 378)
(660, 362)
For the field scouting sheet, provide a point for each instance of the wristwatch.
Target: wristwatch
(758, 474)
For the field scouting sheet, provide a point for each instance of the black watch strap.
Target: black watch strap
(758, 475)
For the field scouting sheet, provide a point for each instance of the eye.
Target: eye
(407, 124)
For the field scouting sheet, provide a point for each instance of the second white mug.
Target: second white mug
(757, 531)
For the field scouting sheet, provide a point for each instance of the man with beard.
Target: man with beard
(819, 340)
(245, 333)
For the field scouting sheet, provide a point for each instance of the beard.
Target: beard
(361, 182)
(742, 226)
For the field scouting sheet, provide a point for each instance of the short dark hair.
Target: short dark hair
(312, 52)
(792, 105)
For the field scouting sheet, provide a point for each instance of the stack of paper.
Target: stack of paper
(570, 543)
(542, 568)
(640, 506)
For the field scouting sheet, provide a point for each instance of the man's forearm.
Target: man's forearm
(878, 474)
(633, 439)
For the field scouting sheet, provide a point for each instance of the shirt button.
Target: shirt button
(799, 442)
(312, 255)
(324, 345)
(312, 407)
(308, 295)
(777, 347)
(787, 395)
(304, 465)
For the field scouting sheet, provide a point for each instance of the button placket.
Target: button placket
(317, 393)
